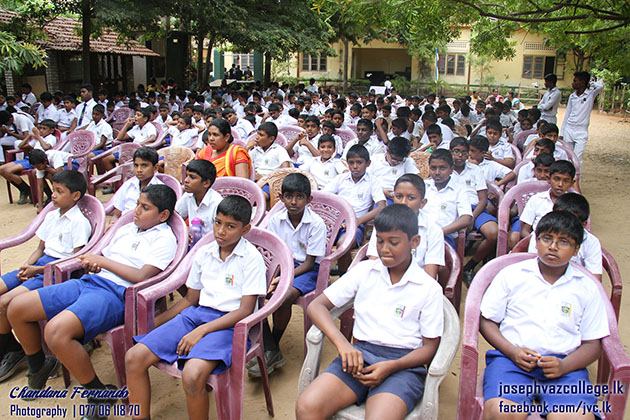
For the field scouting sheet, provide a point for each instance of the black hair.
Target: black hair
(415, 180)
(146, 153)
(294, 113)
(99, 108)
(561, 222)
(442, 154)
(87, 87)
(218, 99)
(26, 85)
(49, 123)
(372, 108)
(69, 98)
(524, 113)
(72, 180)
(434, 129)
(37, 156)
(493, 125)
(403, 112)
(549, 128)
(222, 125)
(397, 217)
(5, 116)
(146, 113)
(400, 123)
(326, 138)
(551, 78)
(459, 141)
(204, 168)
(416, 111)
(270, 128)
(237, 207)
(313, 119)
(429, 115)
(480, 142)
(399, 146)
(358, 150)
(187, 119)
(161, 196)
(198, 108)
(562, 167)
(296, 183)
(465, 110)
(544, 159)
(574, 203)
(46, 97)
(547, 144)
(446, 109)
(534, 114)
(329, 124)
(583, 75)
(366, 122)
(448, 121)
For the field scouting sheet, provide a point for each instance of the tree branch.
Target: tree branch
(596, 31)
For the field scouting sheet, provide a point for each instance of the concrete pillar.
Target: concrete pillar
(53, 81)
(219, 72)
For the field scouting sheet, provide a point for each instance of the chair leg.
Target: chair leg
(66, 376)
(10, 192)
(118, 355)
(347, 322)
(266, 387)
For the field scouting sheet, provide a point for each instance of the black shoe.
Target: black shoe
(108, 190)
(11, 362)
(273, 358)
(24, 197)
(468, 276)
(37, 380)
(95, 414)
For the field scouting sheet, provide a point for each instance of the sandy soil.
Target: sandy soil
(605, 174)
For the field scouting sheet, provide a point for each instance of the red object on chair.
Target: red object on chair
(470, 402)
(229, 385)
(233, 185)
(119, 338)
(334, 210)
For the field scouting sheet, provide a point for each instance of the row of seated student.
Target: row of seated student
(385, 365)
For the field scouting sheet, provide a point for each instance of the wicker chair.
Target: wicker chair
(422, 162)
(176, 157)
(274, 180)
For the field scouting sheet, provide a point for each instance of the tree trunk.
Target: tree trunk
(345, 65)
(207, 68)
(267, 68)
(86, 30)
(200, 39)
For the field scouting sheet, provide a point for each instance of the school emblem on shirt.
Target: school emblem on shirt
(266, 161)
(60, 237)
(135, 245)
(443, 206)
(229, 280)
(360, 196)
(468, 182)
(565, 309)
(302, 246)
(395, 171)
(326, 172)
(399, 311)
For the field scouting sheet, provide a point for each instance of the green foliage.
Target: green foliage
(15, 55)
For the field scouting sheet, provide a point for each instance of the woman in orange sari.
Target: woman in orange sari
(229, 159)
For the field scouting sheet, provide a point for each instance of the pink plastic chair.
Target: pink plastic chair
(125, 154)
(520, 138)
(280, 138)
(229, 385)
(352, 127)
(334, 210)
(518, 157)
(572, 157)
(118, 118)
(233, 185)
(81, 145)
(290, 131)
(236, 138)
(119, 338)
(470, 402)
(91, 208)
(516, 170)
(453, 289)
(346, 135)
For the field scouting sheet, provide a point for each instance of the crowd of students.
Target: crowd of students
(542, 316)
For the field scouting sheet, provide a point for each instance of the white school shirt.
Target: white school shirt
(102, 129)
(472, 180)
(448, 204)
(548, 104)
(304, 153)
(558, 154)
(493, 170)
(63, 233)
(48, 113)
(579, 108)
(224, 283)
(374, 147)
(187, 207)
(161, 121)
(324, 172)
(308, 238)
(526, 173)
(508, 120)
(29, 98)
(66, 117)
(549, 319)
(282, 120)
(530, 139)
(501, 150)
(56, 159)
(475, 118)
(537, 206)
(447, 135)
(394, 315)
(361, 195)
(267, 161)
(140, 135)
(50, 140)
(431, 247)
(126, 197)
(589, 255)
(239, 110)
(155, 247)
(21, 123)
(187, 138)
(244, 128)
(84, 112)
(386, 175)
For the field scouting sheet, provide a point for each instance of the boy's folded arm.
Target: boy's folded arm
(372, 213)
(37, 254)
(418, 357)
(509, 177)
(127, 272)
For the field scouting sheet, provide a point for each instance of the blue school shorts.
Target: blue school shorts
(265, 189)
(389, 201)
(98, 303)
(306, 282)
(217, 345)
(26, 164)
(516, 225)
(502, 377)
(450, 239)
(11, 280)
(483, 218)
(116, 155)
(98, 152)
(408, 384)
(358, 237)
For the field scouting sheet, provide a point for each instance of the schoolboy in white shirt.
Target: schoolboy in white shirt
(493, 171)
(385, 366)
(163, 116)
(47, 110)
(182, 133)
(324, 167)
(138, 128)
(67, 116)
(103, 132)
(386, 168)
(536, 170)
(499, 150)
(199, 199)
(241, 125)
(267, 156)
(366, 138)
(546, 320)
(305, 143)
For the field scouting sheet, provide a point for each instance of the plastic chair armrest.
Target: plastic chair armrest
(63, 270)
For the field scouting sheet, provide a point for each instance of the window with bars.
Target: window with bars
(244, 60)
(314, 62)
(537, 66)
(452, 64)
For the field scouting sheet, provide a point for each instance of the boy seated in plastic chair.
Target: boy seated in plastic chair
(79, 309)
(386, 365)
(546, 321)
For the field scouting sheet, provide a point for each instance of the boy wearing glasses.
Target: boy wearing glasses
(388, 167)
(546, 320)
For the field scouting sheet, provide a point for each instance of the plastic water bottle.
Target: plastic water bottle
(195, 231)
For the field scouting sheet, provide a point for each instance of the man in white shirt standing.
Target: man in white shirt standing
(28, 97)
(574, 129)
(84, 109)
(312, 87)
(548, 105)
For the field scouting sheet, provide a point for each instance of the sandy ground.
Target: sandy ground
(605, 174)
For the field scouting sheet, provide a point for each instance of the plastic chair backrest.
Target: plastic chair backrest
(236, 137)
(352, 127)
(346, 135)
(274, 180)
(572, 157)
(518, 157)
(81, 144)
(280, 138)
(290, 131)
(496, 192)
(470, 404)
(520, 138)
(80, 134)
(120, 116)
(233, 185)
(172, 182)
